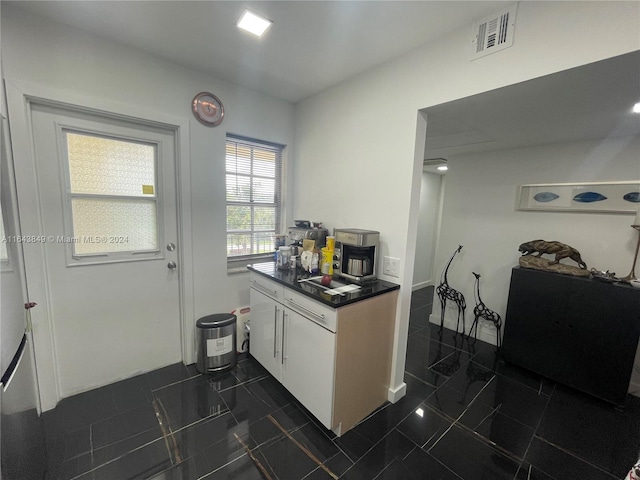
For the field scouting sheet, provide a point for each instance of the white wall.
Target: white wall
(423, 272)
(367, 132)
(479, 213)
(34, 50)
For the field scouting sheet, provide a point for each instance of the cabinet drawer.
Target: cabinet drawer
(305, 306)
(268, 287)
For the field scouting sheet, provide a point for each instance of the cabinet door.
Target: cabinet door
(309, 362)
(265, 343)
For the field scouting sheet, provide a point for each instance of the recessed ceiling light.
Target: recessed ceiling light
(636, 108)
(253, 23)
(443, 168)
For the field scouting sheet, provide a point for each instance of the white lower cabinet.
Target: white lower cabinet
(336, 362)
(299, 353)
(308, 367)
(266, 331)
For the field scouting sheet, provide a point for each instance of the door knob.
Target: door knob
(171, 247)
(172, 265)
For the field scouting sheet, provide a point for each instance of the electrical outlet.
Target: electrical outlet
(391, 266)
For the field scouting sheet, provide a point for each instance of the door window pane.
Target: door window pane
(105, 166)
(113, 194)
(113, 225)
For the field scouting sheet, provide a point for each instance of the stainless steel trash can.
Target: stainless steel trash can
(216, 341)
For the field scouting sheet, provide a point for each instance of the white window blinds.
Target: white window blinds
(253, 180)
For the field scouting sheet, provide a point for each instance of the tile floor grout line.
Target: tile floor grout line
(446, 467)
(460, 416)
(571, 454)
(140, 447)
(422, 381)
(252, 456)
(426, 452)
(384, 469)
(365, 453)
(491, 413)
(173, 450)
(177, 382)
(535, 430)
(304, 449)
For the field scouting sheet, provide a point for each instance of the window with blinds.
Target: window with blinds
(253, 179)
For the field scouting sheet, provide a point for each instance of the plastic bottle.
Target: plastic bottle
(326, 265)
(284, 258)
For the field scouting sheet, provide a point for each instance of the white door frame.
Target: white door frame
(20, 96)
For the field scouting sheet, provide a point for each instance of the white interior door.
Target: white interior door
(108, 240)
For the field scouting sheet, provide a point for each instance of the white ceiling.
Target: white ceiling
(311, 46)
(314, 45)
(589, 102)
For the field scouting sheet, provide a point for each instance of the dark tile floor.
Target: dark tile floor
(466, 415)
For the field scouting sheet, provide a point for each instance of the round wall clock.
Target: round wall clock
(208, 109)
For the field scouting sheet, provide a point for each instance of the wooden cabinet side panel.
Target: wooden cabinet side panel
(363, 358)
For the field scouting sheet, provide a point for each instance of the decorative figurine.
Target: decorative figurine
(445, 292)
(559, 250)
(481, 311)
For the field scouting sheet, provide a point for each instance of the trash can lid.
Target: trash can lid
(216, 320)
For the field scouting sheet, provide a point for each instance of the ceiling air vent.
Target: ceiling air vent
(493, 33)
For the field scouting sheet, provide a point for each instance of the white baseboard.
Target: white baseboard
(396, 394)
(418, 286)
(486, 333)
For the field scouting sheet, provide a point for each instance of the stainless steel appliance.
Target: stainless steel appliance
(298, 234)
(356, 254)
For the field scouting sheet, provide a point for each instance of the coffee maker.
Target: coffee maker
(356, 253)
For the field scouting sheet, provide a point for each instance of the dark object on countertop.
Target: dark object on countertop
(445, 292)
(481, 311)
(560, 250)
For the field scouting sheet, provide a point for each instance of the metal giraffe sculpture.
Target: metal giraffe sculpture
(481, 311)
(445, 292)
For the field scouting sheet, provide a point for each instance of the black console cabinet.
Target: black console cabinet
(577, 331)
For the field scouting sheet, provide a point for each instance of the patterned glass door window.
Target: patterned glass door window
(113, 194)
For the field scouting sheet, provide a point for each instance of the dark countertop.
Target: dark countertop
(289, 278)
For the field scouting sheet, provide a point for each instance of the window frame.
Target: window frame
(238, 263)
